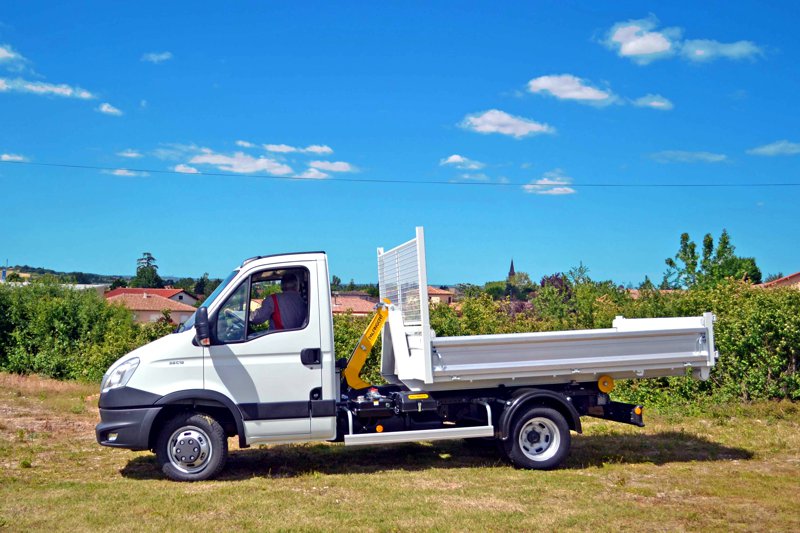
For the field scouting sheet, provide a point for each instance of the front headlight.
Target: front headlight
(119, 375)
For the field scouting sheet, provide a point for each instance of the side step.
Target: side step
(419, 435)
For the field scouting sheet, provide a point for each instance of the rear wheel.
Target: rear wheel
(539, 439)
(192, 447)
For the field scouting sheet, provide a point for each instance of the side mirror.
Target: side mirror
(201, 327)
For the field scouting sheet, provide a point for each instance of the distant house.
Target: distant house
(149, 307)
(442, 296)
(792, 280)
(356, 303)
(99, 288)
(176, 295)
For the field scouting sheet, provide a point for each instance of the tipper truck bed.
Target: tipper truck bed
(221, 375)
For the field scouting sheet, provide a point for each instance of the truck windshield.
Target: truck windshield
(189, 324)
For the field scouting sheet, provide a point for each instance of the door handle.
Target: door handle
(311, 356)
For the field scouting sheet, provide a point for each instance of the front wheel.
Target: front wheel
(191, 447)
(539, 439)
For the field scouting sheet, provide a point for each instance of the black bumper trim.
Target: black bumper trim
(132, 427)
(126, 397)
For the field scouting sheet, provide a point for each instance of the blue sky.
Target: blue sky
(205, 133)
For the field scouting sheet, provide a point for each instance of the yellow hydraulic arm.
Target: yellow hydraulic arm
(365, 344)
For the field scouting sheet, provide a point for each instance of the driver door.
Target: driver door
(271, 374)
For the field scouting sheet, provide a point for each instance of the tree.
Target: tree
(773, 277)
(684, 275)
(14, 277)
(186, 284)
(336, 283)
(200, 285)
(687, 269)
(496, 289)
(520, 286)
(373, 290)
(147, 273)
(468, 290)
(117, 283)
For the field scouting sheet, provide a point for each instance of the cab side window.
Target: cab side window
(231, 324)
(269, 301)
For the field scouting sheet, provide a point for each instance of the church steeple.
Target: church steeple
(511, 271)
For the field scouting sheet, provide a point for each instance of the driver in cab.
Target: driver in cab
(284, 310)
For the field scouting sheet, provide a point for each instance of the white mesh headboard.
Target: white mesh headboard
(404, 281)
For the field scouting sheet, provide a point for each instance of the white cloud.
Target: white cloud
(557, 191)
(185, 169)
(245, 144)
(553, 183)
(459, 161)
(7, 54)
(637, 40)
(313, 174)
(332, 166)
(783, 147)
(174, 151)
(129, 153)
(124, 172)
(13, 157)
(45, 89)
(707, 50)
(11, 59)
(681, 156)
(280, 148)
(640, 41)
(496, 121)
(157, 57)
(241, 163)
(320, 149)
(654, 101)
(108, 109)
(569, 87)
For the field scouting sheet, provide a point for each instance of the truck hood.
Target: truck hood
(162, 359)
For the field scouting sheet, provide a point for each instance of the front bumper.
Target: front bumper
(126, 428)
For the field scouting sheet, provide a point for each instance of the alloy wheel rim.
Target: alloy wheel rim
(189, 449)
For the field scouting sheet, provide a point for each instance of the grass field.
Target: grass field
(734, 468)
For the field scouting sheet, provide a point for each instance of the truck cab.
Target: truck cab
(265, 382)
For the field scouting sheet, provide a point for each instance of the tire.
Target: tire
(191, 447)
(539, 439)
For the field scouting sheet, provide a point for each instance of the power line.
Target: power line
(345, 179)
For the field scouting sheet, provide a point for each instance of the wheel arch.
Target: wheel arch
(210, 402)
(527, 398)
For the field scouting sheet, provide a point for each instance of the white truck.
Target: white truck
(220, 376)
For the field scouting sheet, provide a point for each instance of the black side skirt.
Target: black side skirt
(281, 410)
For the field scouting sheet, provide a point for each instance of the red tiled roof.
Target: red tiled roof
(356, 304)
(433, 291)
(791, 279)
(148, 302)
(165, 293)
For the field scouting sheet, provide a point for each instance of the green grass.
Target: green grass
(728, 468)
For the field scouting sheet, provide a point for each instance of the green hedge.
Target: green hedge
(53, 330)
(49, 329)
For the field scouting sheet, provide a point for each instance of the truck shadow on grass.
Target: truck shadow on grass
(587, 451)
